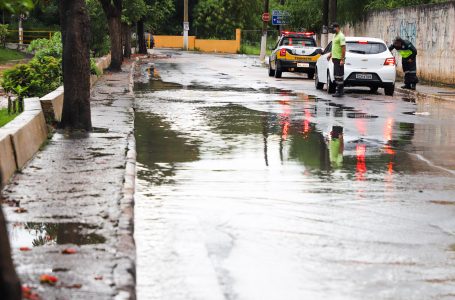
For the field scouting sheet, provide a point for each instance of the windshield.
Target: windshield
(298, 41)
(365, 48)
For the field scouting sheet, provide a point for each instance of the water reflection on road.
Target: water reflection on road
(268, 194)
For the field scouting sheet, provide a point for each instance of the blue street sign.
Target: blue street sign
(280, 17)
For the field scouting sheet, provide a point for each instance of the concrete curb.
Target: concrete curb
(21, 139)
(125, 270)
(422, 96)
(52, 103)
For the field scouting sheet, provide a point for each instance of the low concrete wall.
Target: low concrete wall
(431, 28)
(21, 139)
(222, 46)
(52, 103)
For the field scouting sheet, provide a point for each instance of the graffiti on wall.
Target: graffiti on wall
(405, 29)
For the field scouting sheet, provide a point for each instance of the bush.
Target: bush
(43, 73)
(3, 35)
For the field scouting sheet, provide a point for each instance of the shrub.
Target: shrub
(3, 35)
(43, 73)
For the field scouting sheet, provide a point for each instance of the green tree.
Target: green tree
(220, 18)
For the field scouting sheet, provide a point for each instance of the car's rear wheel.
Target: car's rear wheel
(310, 75)
(278, 71)
(331, 85)
(319, 85)
(271, 71)
(389, 89)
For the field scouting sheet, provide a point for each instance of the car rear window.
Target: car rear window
(365, 48)
(298, 41)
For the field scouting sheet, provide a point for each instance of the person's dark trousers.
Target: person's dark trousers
(410, 73)
(338, 71)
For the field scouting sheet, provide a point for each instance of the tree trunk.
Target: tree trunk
(113, 12)
(142, 46)
(75, 27)
(126, 40)
(10, 286)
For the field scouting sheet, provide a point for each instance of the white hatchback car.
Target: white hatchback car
(368, 63)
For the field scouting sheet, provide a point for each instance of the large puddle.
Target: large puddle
(267, 194)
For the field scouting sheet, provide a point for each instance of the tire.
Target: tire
(271, 71)
(389, 90)
(331, 86)
(310, 75)
(319, 85)
(278, 71)
(374, 89)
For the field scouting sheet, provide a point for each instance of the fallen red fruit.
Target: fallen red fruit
(28, 294)
(48, 279)
(25, 249)
(20, 210)
(69, 251)
(75, 286)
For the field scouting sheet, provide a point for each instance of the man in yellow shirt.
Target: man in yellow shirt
(338, 57)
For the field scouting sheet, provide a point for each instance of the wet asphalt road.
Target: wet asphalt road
(254, 188)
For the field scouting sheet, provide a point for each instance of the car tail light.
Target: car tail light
(283, 52)
(390, 61)
(363, 42)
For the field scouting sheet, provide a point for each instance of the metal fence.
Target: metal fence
(251, 40)
(28, 36)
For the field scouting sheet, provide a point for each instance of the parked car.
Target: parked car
(294, 52)
(369, 63)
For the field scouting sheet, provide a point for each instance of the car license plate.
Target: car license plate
(364, 76)
(303, 65)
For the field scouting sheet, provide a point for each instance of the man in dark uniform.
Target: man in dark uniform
(408, 54)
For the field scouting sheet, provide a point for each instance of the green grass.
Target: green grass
(252, 50)
(5, 118)
(7, 55)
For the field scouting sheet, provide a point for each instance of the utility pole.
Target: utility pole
(332, 11)
(264, 32)
(186, 25)
(325, 24)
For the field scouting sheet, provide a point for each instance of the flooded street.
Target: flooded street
(254, 188)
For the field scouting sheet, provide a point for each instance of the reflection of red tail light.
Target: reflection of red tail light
(361, 162)
(390, 168)
(306, 122)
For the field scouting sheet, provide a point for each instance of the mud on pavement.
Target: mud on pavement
(70, 211)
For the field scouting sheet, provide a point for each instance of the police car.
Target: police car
(295, 52)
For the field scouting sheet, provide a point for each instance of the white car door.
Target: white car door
(323, 64)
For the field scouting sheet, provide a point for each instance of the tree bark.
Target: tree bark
(75, 27)
(126, 40)
(10, 286)
(141, 44)
(113, 11)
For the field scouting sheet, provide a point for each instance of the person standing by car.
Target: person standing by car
(408, 54)
(338, 56)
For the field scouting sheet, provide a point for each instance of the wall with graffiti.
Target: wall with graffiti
(431, 28)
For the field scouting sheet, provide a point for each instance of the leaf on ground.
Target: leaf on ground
(74, 286)
(98, 277)
(28, 294)
(48, 279)
(20, 210)
(25, 249)
(69, 251)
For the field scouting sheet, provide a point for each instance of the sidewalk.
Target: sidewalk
(427, 92)
(77, 195)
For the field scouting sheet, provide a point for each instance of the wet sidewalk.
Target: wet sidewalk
(429, 92)
(76, 197)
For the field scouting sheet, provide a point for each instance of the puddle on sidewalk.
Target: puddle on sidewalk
(46, 234)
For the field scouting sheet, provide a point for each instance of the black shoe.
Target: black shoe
(406, 87)
(413, 87)
(340, 92)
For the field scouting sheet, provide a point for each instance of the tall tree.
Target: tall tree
(75, 27)
(113, 11)
(133, 12)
